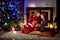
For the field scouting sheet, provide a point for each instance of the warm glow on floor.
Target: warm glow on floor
(14, 32)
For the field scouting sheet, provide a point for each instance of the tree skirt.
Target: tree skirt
(19, 35)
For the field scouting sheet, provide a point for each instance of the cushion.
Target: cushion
(47, 34)
(35, 33)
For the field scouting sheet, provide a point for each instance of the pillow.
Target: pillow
(35, 33)
(47, 34)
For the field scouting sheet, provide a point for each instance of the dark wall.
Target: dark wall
(58, 14)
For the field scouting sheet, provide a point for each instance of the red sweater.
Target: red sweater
(34, 18)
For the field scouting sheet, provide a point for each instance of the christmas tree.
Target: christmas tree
(9, 13)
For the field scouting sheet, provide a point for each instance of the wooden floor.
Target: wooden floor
(20, 36)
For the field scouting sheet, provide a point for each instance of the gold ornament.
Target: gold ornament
(51, 26)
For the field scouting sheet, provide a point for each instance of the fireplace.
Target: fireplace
(47, 11)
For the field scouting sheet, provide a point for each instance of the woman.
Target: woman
(33, 23)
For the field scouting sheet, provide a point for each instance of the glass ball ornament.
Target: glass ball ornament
(18, 11)
(8, 17)
(17, 3)
(13, 8)
(10, 5)
(3, 3)
(15, 25)
(13, 13)
(5, 23)
(4, 15)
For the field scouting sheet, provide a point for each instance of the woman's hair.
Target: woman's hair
(33, 13)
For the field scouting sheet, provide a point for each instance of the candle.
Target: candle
(13, 29)
(14, 32)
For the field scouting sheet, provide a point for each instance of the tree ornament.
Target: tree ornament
(3, 3)
(8, 17)
(5, 23)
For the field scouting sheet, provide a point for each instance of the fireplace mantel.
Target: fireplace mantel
(48, 10)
